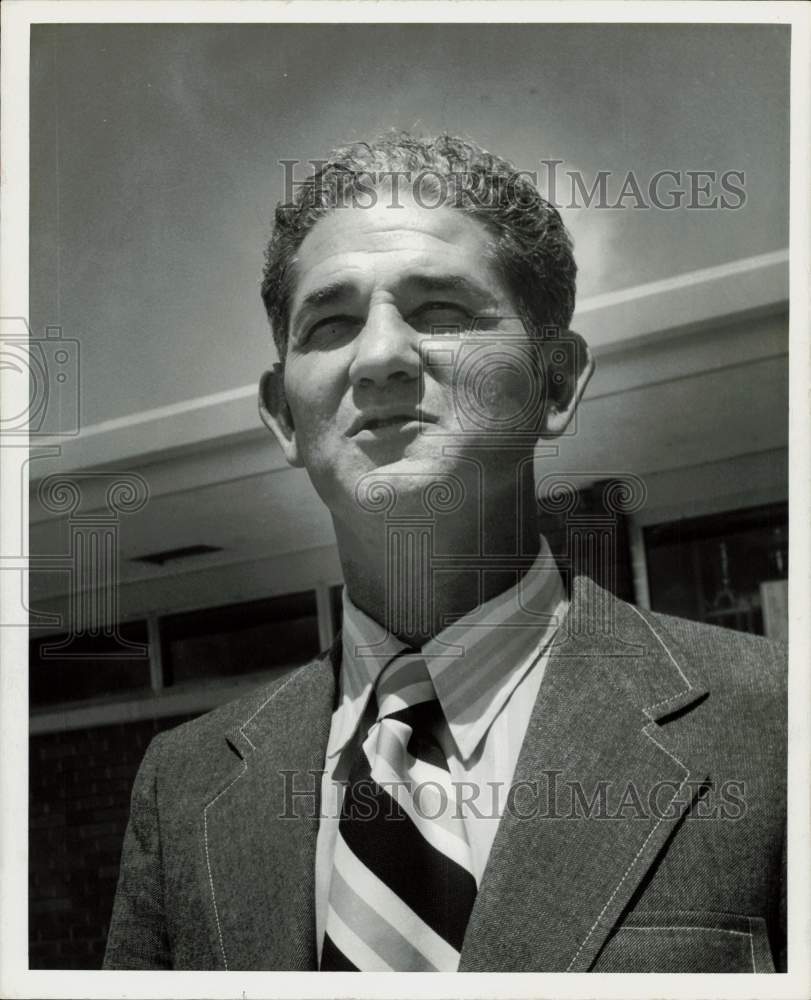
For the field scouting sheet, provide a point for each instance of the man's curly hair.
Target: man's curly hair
(529, 243)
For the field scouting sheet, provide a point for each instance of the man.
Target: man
(490, 770)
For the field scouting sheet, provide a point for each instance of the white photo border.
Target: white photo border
(16, 980)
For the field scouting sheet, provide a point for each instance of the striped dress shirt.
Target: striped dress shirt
(486, 668)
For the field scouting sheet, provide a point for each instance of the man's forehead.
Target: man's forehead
(356, 243)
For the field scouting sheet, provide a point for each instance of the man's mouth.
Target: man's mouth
(389, 422)
(374, 425)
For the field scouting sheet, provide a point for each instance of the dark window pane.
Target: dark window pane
(75, 668)
(263, 635)
(711, 568)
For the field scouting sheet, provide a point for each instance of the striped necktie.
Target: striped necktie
(402, 885)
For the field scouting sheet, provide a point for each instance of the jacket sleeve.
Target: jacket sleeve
(138, 938)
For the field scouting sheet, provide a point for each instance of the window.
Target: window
(262, 637)
(725, 569)
(269, 634)
(64, 668)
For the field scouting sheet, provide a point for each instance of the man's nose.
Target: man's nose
(385, 349)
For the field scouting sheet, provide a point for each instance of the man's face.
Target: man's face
(372, 286)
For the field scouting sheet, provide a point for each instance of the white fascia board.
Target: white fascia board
(666, 308)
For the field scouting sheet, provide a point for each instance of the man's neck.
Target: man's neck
(417, 577)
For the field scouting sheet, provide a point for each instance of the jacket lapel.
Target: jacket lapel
(559, 876)
(259, 838)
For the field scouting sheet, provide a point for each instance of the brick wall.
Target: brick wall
(80, 784)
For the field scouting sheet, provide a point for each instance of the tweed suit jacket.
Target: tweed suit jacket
(646, 832)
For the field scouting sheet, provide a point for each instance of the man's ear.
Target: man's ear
(275, 412)
(568, 364)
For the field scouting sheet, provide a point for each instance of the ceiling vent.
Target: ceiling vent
(170, 555)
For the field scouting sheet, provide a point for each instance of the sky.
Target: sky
(155, 163)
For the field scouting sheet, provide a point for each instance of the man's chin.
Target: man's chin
(414, 481)
(410, 485)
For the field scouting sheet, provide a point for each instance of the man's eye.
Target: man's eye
(331, 330)
(440, 314)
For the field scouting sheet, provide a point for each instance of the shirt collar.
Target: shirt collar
(366, 649)
(475, 663)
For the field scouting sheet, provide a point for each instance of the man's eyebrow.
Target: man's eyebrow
(326, 295)
(449, 282)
